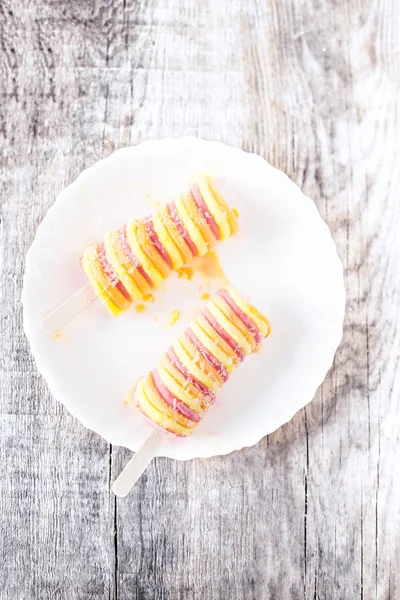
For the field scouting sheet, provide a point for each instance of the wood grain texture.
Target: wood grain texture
(311, 512)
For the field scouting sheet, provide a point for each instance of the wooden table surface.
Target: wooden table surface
(312, 511)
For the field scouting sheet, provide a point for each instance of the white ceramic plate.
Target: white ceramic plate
(283, 258)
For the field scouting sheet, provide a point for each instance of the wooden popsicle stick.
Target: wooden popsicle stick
(68, 309)
(138, 463)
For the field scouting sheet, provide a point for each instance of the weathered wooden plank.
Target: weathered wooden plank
(310, 512)
(55, 514)
(335, 99)
(209, 529)
(201, 529)
(57, 533)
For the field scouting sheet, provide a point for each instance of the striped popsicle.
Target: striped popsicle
(183, 385)
(132, 261)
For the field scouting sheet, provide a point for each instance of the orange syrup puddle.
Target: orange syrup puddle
(209, 268)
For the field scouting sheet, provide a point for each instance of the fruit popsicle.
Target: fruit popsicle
(132, 261)
(182, 387)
